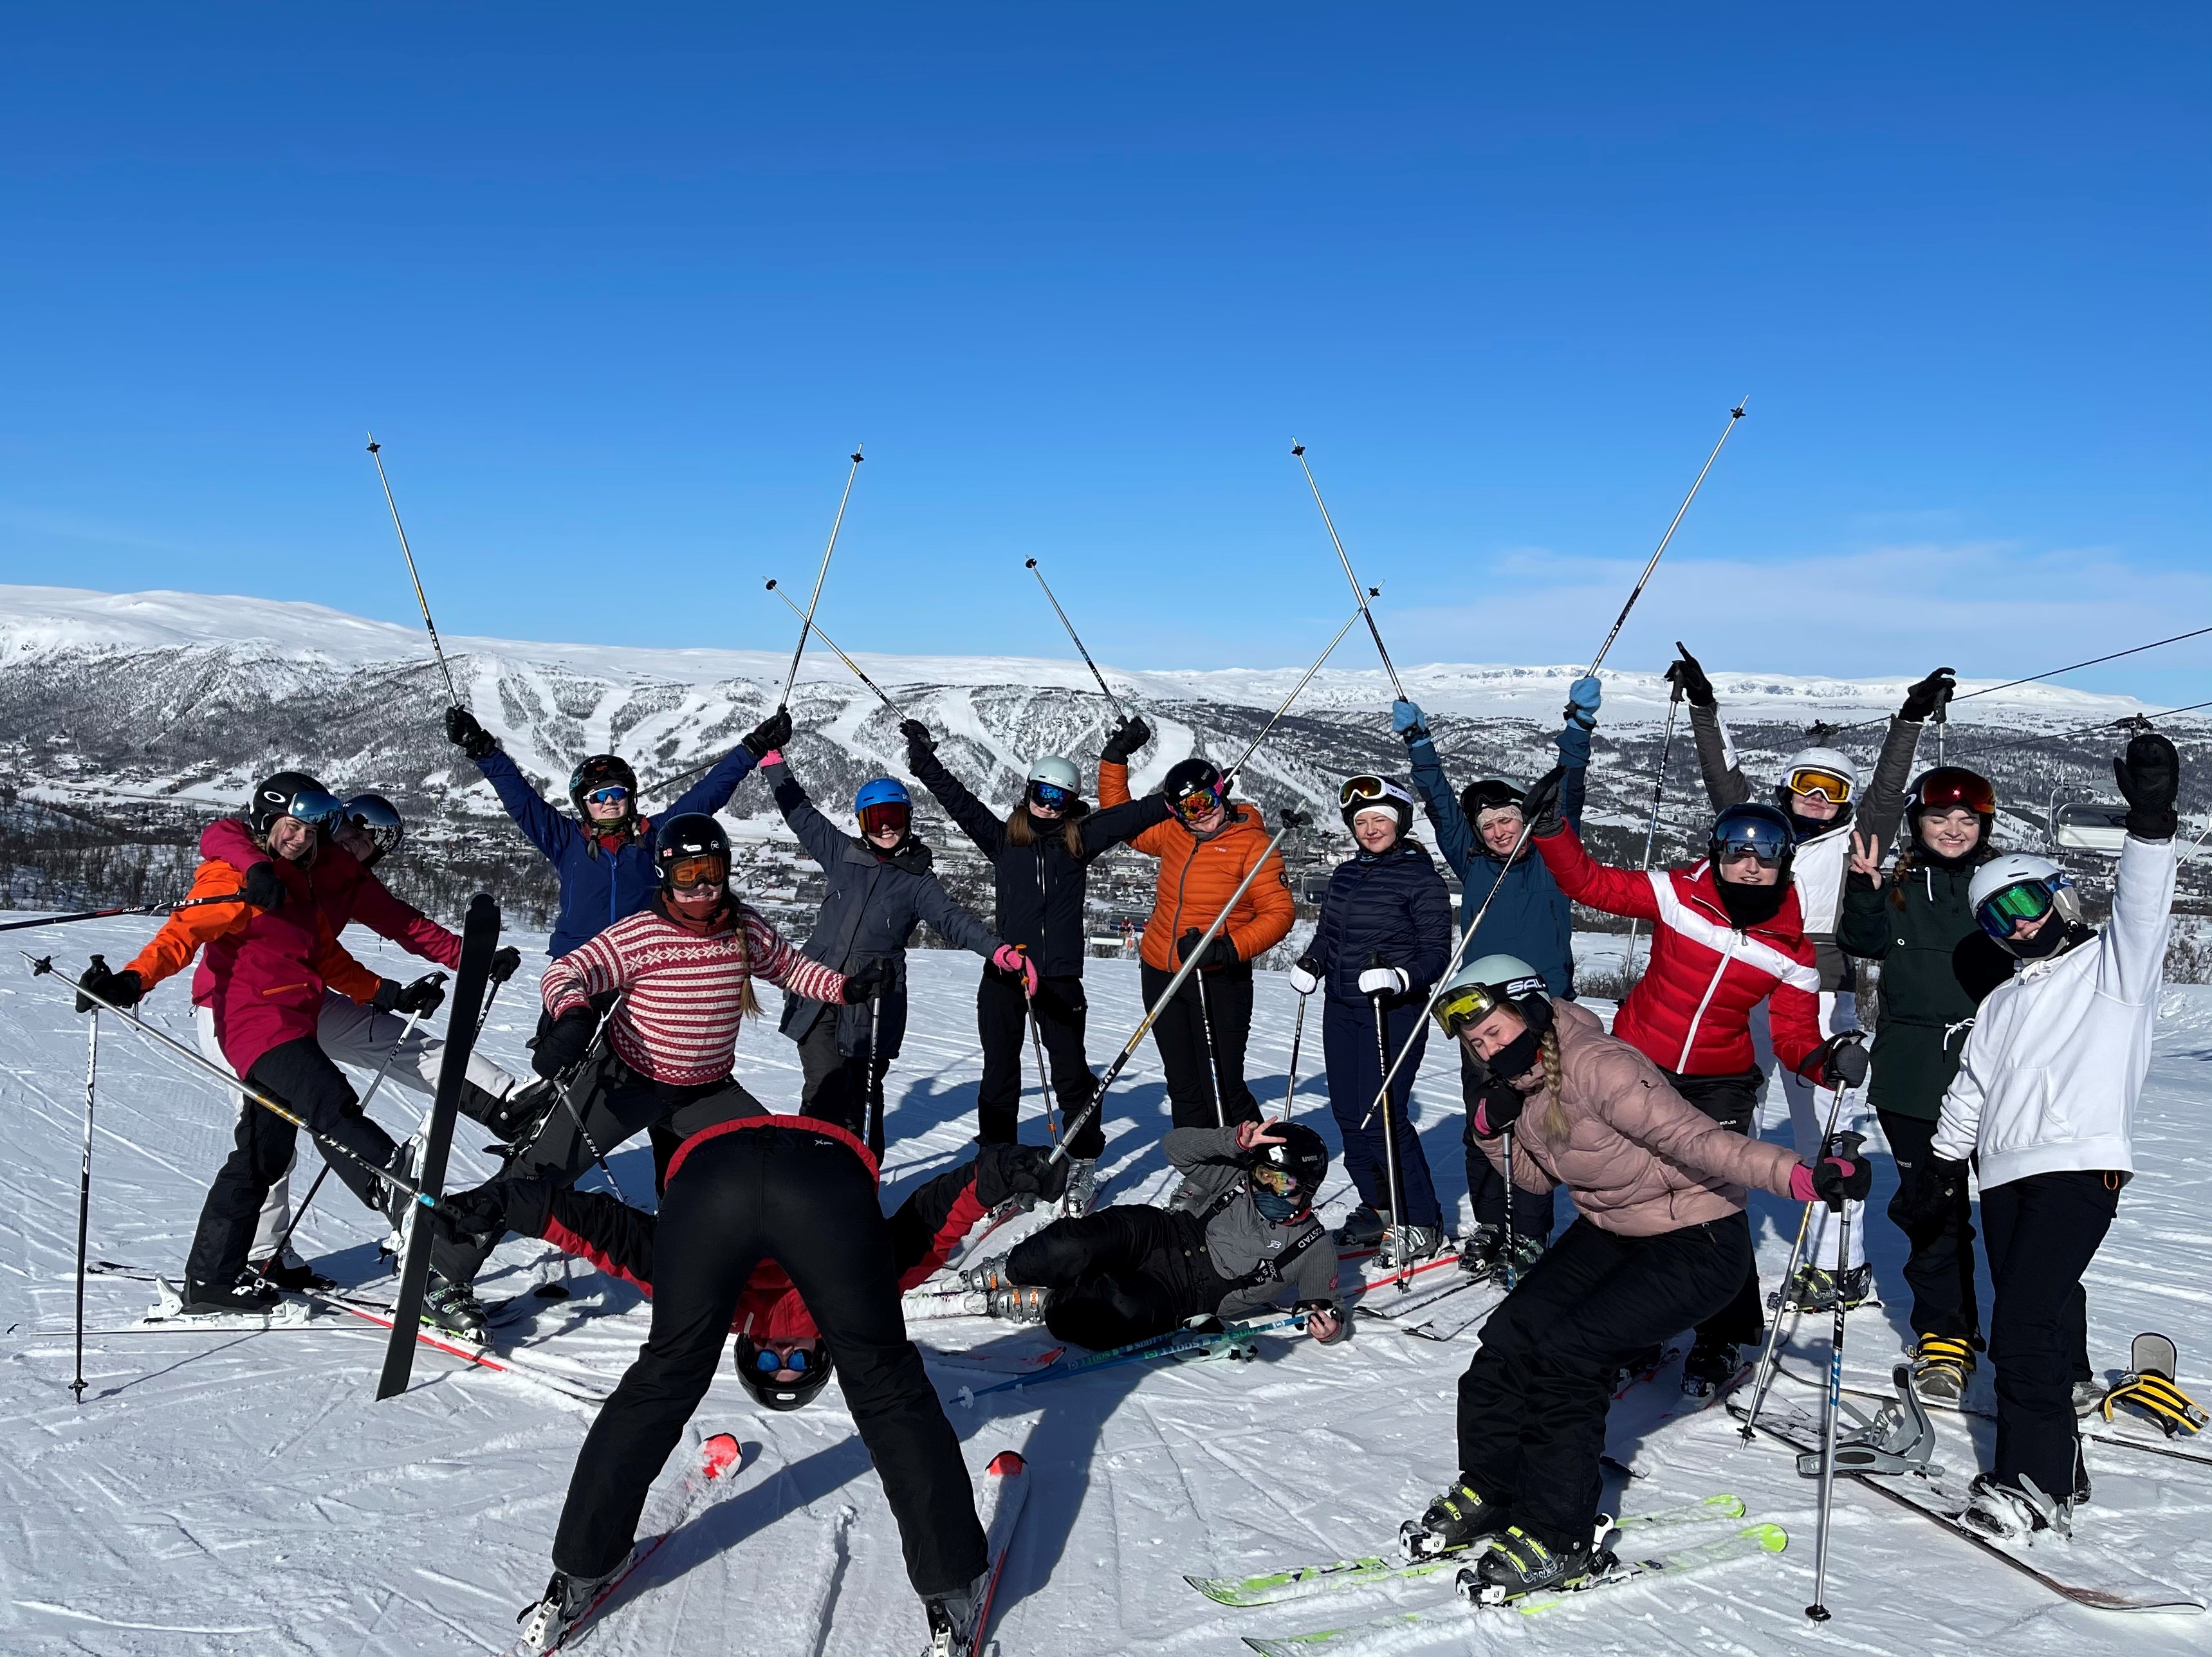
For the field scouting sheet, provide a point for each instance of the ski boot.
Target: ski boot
(1636, 1366)
(1362, 1229)
(514, 1119)
(454, 1308)
(1942, 1365)
(1519, 1563)
(1482, 1255)
(952, 1619)
(1020, 1303)
(290, 1273)
(1452, 1522)
(1407, 1245)
(2010, 1514)
(568, 1599)
(1527, 1251)
(1817, 1290)
(396, 1203)
(248, 1295)
(987, 1276)
(1710, 1367)
(1082, 1187)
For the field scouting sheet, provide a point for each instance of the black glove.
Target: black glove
(562, 1048)
(465, 734)
(918, 739)
(1219, 954)
(770, 734)
(2149, 776)
(1500, 1104)
(1686, 673)
(1930, 694)
(1125, 739)
(1927, 1195)
(1541, 804)
(1837, 1179)
(505, 962)
(264, 887)
(478, 1213)
(1846, 1067)
(120, 989)
(874, 977)
(1008, 1171)
(425, 995)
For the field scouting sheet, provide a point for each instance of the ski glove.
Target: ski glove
(120, 989)
(1408, 721)
(1832, 1181)
(1125, 739)
(1540, 806)
(1004, 1173)
(264, 887)
(1306, 974)
(1007, 958)
(1690, 679)
(1340, 1326)
(465, 734)
(1582, 698)
(505, 963)
(1846, 1067)
(562, 1048)
(770, 734)
(1385, 981)
(918, 739)
(424, 995)
(1930, 694)
(874, 978)
(2149, 776)
(1927, 1195)
(478, 1213)
(1219, 954)
(1496, 1108)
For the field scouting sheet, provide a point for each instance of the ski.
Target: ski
(1631, 1379)
(168, 1312)
(2150, 1596)
(1006, 1492)
(1179, 1345)
(1376, 1300)
(722, 1459)
(1752, 1542)
(574, 1389)
(1453, 1321)
(1302, 1582)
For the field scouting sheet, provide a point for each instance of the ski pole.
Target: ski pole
(850, 663)
(1846, 1145)
(1621, 620)
(84, 1194)
(820, 576)
(1512, 1270)
(1359, 594)
(1297, 1034)
(1276, 717)
(1044, 1076)
(1651, 832)
(375, 453)
(1030, 565)
(83, 914)
(1397, 1233)
(45, 965)
(1173, 1344)
(561, 1089)
(1290, 820)
(875, 1092)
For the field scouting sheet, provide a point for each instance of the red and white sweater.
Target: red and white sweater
(678, 1023)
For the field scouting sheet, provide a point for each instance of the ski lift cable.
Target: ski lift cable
(2033, 678)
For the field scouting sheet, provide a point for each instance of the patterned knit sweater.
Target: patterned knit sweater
(687, 991)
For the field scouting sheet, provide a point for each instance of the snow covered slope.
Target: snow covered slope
(235, 1494)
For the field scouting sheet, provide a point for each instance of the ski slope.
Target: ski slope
(242, 1493)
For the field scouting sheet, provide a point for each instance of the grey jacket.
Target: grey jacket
(1239, 1239)
(870, 911)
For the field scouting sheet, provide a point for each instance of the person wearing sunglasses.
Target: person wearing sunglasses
(1384, 937)
(1918, 921)
(1206, 846)
(1726, 938)
(879, 888)
(1040, 852)
(2043, 1103)
(1524, 914)
(1659, 1241)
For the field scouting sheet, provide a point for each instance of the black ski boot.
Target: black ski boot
(1710, 1367)
(952, 1619)
(1454, 1520)
(454, 1308)
(249, 1295)
(1481, 1254)
(513, 1118)
(1362, 1228)
(1635, 1366)
(1520, 1563)
(568, 1599)
(294, 1276)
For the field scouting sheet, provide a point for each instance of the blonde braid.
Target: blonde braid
(1556, 1126)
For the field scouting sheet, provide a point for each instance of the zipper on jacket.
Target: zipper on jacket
(1690, 1038)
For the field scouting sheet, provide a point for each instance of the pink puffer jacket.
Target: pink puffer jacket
(1637, 1158)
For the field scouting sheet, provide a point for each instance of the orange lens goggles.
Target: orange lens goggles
(1836, 789)
(706, 869)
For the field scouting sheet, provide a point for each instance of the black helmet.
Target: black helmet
(1766, 829)
(603, 771)
(1189, 782)
(693, 834)
(1487, 795)
(278, 796)
(769, 1393)
(379, 819)
(1302, 1158)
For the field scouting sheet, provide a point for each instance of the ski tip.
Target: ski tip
(1007, 1464)
(1728, 1507)
(722, 1454)
(1771, 1538)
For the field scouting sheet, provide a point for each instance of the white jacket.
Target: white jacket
(2057, 1056)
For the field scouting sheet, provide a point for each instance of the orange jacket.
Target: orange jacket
(1197, 875)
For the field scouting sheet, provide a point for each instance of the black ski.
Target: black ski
(479, 939)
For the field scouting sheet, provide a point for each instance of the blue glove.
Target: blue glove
(1582, 697)
(1408, 721)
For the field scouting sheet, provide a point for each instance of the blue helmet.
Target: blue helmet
(881, 791)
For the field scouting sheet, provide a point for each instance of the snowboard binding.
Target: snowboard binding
(1897, 1438)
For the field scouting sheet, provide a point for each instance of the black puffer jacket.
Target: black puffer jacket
(1394, 907)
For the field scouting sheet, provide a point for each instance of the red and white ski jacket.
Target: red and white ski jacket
(687, 991)
(1690, 1011)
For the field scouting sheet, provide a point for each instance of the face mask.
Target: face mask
(1517, 1057)
(1747, 906)
(1274, 1207)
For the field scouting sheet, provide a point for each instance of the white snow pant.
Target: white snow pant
(361, 1037)
(1808, 1115)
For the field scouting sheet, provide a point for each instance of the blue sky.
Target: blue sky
(617, 297)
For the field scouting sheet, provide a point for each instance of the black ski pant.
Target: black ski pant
(1532, 1405)
(1125, 1273)
(1732, 1100)
(1941, 1266)
(1485, 1186)
(1002, 1015)
(835, 1086)
(1354, 1061)
(1200, 1035)
(2042, 1233)
(809, 1204)
(299, 1075)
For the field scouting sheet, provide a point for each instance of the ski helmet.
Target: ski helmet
(376, 817)
(1053, 782)
(1194, 787)
(290, 794)
(1372, 794)
(680, 845)
(1765, 830)
(813, 1369)
(1480, 987)
(882, 803)
(1947, 788)
(1490, 794)
(1286, 1177)
(2021, 886)
(603, 771)
(1823, 773)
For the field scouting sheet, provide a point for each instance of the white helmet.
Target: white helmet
(1059, 772)
(2047, 888)
(1493, 978)
(1822, 769)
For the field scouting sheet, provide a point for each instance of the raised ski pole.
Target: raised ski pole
(1394, 1235)
(84, 1193)
(1305, 679)
(375, 453)
(1290, 820)
(1112, 701)
(1651, 830)
(1297, 1034)
(45, 965)
(1846, 1145)
(850, 663)
(1621, 620)
(820, 576)
(1359, 594)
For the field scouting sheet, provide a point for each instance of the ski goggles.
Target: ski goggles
(1750, 837)
(1949, 787)
(886, 816)
(1364, 791)
(706, 869)
(613, 794)
(1280, 1180)
(768, 1361)
(371, 814)
(2027, 900)
(1199, 802)
(1050, 795)
(316, 809)
(1470, 1004)
(1817, 782)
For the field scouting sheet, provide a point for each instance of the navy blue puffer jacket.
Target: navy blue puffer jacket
(1394, 906)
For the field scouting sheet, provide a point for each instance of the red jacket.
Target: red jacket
(347, 892)
(1690, 1011)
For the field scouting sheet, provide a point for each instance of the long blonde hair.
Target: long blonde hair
(1556, 1126)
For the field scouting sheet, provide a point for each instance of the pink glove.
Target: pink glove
(1008, 959)
(1800, 1184)
(773, 756)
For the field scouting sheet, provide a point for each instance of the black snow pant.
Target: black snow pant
(2042, 1233)
(1731, 1100)
(1486, 1185)
(1125, 1273)
(835, 1087)
(1354, 1061)
(1200, 1035)
(1532, 1405)
(1002, 1011)
(1941, 1266)
(809, 1204)
(299, 1075)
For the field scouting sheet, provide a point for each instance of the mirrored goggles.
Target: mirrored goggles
(1051, 795)
(1470, 1004)
(1199, 802)
(1816, 783)
(316, 809)
(886, 815)
(1734, 841)
(1949, 788)
(373, 815)
(1358, 789)
(1280, 1180)
(768, 1361)
(706, 869)
(2029, 899)
(613, 794)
